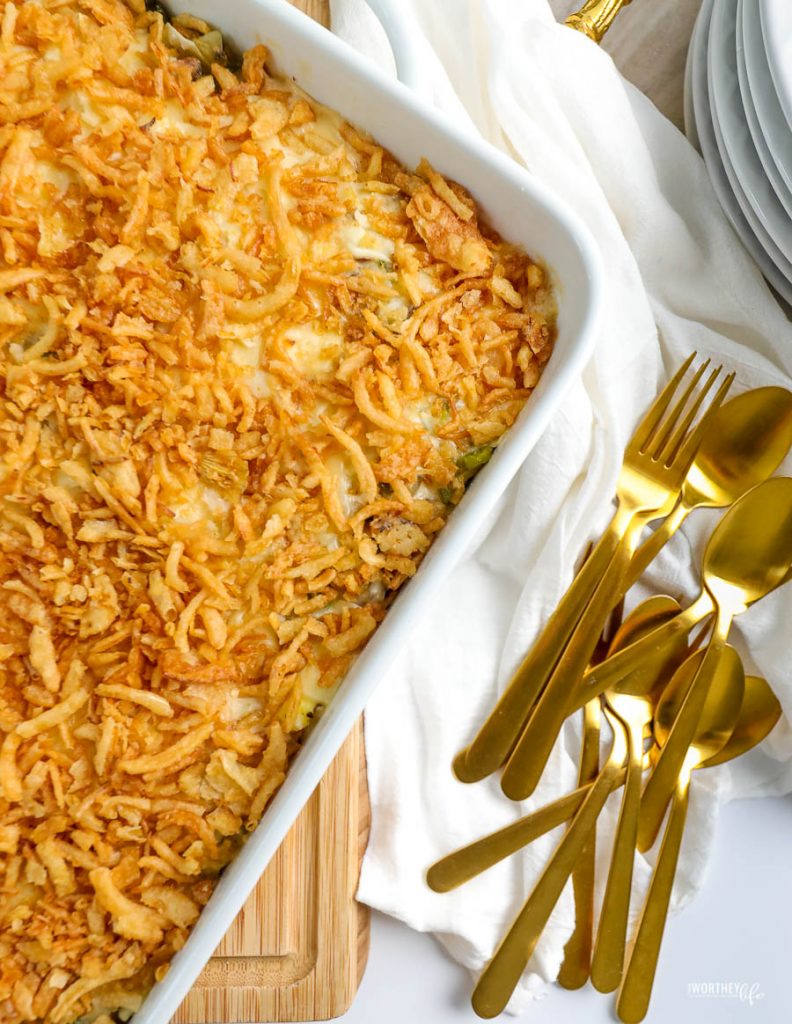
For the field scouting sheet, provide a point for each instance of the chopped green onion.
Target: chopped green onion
(475, 458)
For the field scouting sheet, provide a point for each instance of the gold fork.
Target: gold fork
(498, 734)
(652, 475)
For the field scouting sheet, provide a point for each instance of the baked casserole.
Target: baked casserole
(249, 365)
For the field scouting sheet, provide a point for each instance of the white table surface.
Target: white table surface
(738, 930)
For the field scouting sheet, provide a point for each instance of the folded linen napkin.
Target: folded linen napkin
(677, 279)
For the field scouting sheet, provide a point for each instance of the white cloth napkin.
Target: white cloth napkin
(677, 279)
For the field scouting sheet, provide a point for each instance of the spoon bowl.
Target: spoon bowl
(750, 437)
(633, 701)
(647, 681)
(721, 706)
(759, 712)
(750, 551)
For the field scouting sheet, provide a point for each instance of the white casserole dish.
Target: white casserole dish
(524, 212)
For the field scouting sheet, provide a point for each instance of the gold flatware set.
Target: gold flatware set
(671, 705)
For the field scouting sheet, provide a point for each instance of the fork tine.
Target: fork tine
(652, 418)
(675, 437)
(687, 452)
(660, 436)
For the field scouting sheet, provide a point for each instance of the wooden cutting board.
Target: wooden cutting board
(298, 948)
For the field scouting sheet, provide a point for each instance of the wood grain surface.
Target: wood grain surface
(298, 948)
(319, 10)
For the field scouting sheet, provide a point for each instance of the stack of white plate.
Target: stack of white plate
(738, 112)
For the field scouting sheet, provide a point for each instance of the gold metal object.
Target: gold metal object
(660, 434)
(655, 435)
(655, 645)
(758, 714)
(576, 965)
(748, 555)
(749, 439)
(718, 718)
(595, 17)
(463, 864)
(645, 654)
(496, 737)
(502, 973)
(649, 484)
(634, 707)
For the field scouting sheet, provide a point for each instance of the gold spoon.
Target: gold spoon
(758, 714)
(747, 442)
(634, 703)
(574, 970)
(755, 538)
(500, 976)
(576, 964)
(717, 721)
(747, 557)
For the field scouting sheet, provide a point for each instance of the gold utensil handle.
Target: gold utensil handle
(467, 862)
(636, 989)
(528, 759)
(595, 17)
(648, 551)
(608, 961)
(498, 734)
(500, 976)
(576, 965)
(629, 660)
(660, 785)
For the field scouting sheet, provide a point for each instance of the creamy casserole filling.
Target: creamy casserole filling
(249, 364)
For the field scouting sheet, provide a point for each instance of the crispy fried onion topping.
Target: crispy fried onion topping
(249, 364)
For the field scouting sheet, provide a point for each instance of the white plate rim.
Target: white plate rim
(776, 24)
(717, 172)
(771, 170)
(771, 117)
(731, 124)
(688, 113)
(772, 254)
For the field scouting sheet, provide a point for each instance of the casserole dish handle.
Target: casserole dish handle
(406, 40)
